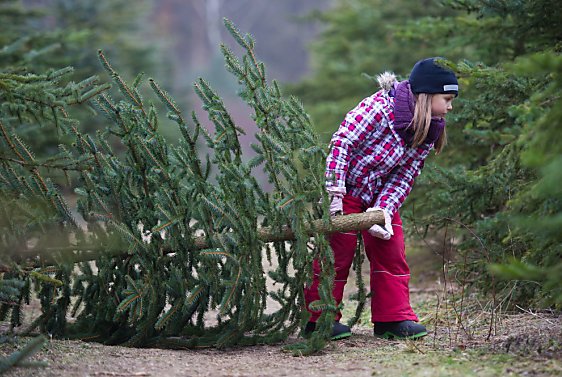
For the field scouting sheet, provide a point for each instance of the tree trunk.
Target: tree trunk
(345, 223)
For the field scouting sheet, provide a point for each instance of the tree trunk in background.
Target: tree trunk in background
(195, 27)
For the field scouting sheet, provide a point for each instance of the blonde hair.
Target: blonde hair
(422, 120)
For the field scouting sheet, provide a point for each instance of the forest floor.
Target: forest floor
(522, 343)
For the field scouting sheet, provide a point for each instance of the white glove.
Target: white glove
(383, 232)
(335, 195)
(336, 205)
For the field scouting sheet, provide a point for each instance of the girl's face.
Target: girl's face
(441, 104)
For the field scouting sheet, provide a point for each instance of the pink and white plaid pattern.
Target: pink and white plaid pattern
(370, 159)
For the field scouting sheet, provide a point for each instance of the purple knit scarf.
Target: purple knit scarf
(404, 104)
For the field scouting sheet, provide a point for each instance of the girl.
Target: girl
(377, 152)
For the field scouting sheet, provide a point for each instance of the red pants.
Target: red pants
(389, 271)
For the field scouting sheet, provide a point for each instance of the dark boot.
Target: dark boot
(400, 330)
(339, 331)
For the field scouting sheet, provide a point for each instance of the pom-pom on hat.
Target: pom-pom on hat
(429, 77)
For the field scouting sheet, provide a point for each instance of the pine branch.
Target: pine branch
(18, 357)
(127, 92)
(10, 142)
(71, 166)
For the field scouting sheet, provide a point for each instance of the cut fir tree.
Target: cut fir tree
(178, 289)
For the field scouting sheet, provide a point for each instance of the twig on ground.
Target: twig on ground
(534, 314)
(412, 343)
(436, 320)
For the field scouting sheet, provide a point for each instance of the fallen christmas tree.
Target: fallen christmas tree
(174, 253)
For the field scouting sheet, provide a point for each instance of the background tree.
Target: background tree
(41, 35)
(195, 30)
(540, 212)
(80, 28)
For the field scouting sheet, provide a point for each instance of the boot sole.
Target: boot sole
(341, 336)
(335, 337)
(389, 335)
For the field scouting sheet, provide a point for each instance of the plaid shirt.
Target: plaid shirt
(370, 160)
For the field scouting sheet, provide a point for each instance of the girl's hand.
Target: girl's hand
(383, 232)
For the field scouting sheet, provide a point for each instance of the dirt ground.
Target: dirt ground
(525, 343)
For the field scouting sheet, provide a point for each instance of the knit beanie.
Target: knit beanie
(428, 77)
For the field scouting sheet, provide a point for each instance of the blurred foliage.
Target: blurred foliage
(120, 28)
(41, 36)
(495, 184)
(20, 358)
